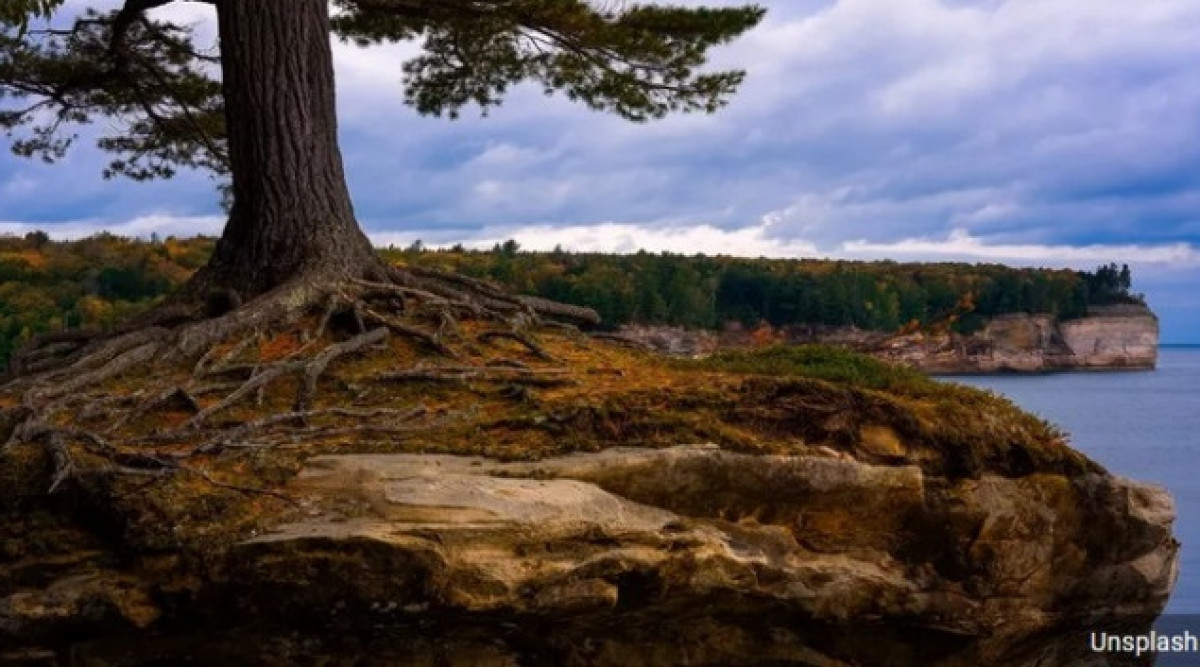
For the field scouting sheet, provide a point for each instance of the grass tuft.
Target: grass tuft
(822, 362)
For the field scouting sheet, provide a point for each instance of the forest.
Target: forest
(98, 281)
(708, 292)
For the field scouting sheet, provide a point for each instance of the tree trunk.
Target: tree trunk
(291, 216)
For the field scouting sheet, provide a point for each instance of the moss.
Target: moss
(823, 362)
(829, 395)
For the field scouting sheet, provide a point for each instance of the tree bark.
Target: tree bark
(292, 217)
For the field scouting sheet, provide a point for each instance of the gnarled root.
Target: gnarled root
(528, 343)
(312, 370)
(551, 377)
(65, 379)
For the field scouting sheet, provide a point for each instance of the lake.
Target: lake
(1142, 425)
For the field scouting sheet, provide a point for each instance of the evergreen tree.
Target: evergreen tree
(268, 120)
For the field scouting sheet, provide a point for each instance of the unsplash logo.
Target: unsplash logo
(1143, 644)
(1171, 640)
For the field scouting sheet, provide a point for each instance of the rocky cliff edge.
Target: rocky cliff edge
(694, 555)
(687, 555)
(883, 519)
(1120, 337)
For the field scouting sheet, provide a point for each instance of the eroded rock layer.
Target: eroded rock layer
(1110, 337)
(689, 556)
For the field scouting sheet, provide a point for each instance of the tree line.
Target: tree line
(98, 281)
(94, 282)
(709, 292)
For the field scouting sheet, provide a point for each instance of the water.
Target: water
(1142, 425)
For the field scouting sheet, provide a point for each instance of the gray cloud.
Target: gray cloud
(1022, 124)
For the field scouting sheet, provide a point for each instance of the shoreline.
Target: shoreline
(1106, 340)
(1098, 370)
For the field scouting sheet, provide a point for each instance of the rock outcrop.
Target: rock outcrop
(683, 556)
(1113, 337)
(1109, 337)
(639, 557)
(469, 520)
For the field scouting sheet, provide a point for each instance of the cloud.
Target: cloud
(620, 238)
(959, 245)
(141, 227)
(863, 118)
(1033, 106)
(759, 241)
(1021, 131)
(881, 119)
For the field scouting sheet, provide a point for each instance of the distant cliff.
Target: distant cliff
(1109, 337)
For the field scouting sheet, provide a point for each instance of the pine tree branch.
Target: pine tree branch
(130, 12)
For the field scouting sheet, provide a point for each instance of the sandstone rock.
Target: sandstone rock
(694, 555)
(1121, 337)
(1113, 336)
(1124, 337)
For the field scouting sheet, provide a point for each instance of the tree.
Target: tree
(268, 121)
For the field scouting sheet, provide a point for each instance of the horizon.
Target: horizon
(1049, 133)
(479, 247)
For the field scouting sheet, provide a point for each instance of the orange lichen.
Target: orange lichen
(279, 346)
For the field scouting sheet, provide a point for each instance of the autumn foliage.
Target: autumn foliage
(99, 281)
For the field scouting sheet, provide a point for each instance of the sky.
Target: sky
(1028, 132)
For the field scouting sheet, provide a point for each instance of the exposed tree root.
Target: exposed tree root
(48, 350)
(560, 311)
(562, 326)
(524, 340)
(138, 356)
(553, 377)
(64, 463)
(248, 490)
(313, 369)
(93, 362)
(428, 338)
(242, 371)
(55, 377)
(327, 432)
(230, 437)
(206, 366)
(214, 387)
(101, 407)
(178, 393)
(327, 315)
(507, 363)
(248, 387)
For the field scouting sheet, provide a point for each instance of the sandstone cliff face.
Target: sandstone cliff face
(1113, 337)
(697, 556)
(635, 557)
(1109, 337)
